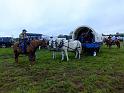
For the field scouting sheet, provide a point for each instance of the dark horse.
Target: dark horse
(30, 50)
(109, 42)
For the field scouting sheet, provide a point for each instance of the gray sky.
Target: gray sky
(54, 17)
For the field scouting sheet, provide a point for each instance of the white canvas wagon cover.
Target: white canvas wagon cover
(88, 30)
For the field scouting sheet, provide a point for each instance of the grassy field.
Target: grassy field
(101, 74)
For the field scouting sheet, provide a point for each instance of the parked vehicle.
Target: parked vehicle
(6, 41)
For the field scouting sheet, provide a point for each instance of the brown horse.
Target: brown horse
(30, 51)
(109, 42)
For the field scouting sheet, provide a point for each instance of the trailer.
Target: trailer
(6, 41)
(32, 36)
(90, 40)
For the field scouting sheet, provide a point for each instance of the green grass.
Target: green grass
(101, 74)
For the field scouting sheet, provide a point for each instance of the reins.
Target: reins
(62, 44)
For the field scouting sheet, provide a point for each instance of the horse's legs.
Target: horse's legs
(32, 58)
(79, 53)
(54, 55)
(107, 45)
(62, 55)
(66, 53)
(76, 54)
(110, 46)
(16, 57)
(39, 47)
(118, 44)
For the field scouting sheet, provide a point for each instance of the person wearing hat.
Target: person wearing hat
(23, 40)
(23, 34)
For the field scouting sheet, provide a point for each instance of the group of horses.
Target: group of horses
(61, 44)
(65, 46)
(54, 45)
(109, 42)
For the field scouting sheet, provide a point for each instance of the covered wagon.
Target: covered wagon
(91, 41)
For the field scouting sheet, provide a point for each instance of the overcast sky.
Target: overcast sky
(54, 17)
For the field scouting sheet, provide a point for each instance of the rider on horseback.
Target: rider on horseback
(23, 40)
(113, 39)
(116, 38)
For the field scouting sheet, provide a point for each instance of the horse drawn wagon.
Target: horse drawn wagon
(90, 40)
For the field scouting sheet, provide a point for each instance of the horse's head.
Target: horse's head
(53, 44)
(42, 43)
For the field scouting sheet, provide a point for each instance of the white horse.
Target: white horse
(53, 47)
(65, 46)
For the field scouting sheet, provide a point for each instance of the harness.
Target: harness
(58, 46)
(52, 48)
(62, 44)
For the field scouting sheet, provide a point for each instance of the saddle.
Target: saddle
(23, 45)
